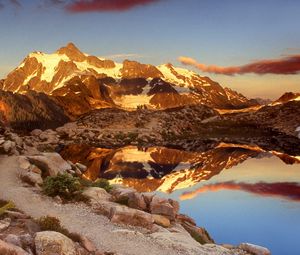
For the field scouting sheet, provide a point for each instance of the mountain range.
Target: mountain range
(48, 90)
(96, 83)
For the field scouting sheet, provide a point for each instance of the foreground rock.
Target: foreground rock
(50, 163)
(49, 242)
(254, 249)
(10, 249)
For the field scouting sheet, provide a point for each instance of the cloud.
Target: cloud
(106, 5)
(285, 190)
(284, 65)
(16, 3)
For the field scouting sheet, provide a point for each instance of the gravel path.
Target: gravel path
(77, 218)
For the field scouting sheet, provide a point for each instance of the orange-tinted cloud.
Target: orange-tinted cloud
(285, 65)
(106, 5)
(285, 190)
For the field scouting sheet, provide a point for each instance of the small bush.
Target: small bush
(132, 136)
(100, 183)
(63, 185)
(4, 208)
(122, 201)
(48, 223)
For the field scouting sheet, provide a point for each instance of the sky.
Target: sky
(213, 33)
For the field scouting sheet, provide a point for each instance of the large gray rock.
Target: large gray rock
(254, 249)
(50, 163)
(96, 195)
(136, 200)
(132, 217)
(8, 146)
(161, 220)
(13, 239)
(162, 206)
(50, 243)
(4, 224)
(198, 233)
(10, 249)
(180, 240)
(36, 132)
(31, 178)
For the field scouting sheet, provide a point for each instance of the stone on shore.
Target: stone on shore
(128, 216)
(162, 206)
(51, 164)
(254, 249)
(96, 195)
(10, 249)
(49, 242)
(161, 220)
(4, 224)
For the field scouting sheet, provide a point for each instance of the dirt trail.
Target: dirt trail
(76, 218)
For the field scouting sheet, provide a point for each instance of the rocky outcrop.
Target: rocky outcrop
(254, 249)
(51, 164)
(30, 110)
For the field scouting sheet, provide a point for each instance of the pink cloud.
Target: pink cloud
(106, 5)
(285, 65)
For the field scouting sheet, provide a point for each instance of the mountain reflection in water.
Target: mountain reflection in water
(166, 169)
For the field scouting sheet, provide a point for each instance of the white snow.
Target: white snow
(49, 62)
(29, 77)
(111, 72)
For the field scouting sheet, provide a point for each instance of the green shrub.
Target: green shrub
(48, 223)
(122, 201)
(4, 208)
(100, 183)
(120, 136)
(132, 136)
(63, 185)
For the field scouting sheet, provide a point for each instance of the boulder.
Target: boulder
(50, 242)
(31, 178)
(81, 167)
(161, 220)
(121, 193)
(132, 217)
(8, 146)
(24, 163)
(182, 218)
(136, 201)
(96, 195)
(13, 239)
(50, 163)
(36, 132)
(179, 239)
(254, 249)
(162, 206)
(198, 233)
(87, 244)
(4, 224)
(10, 249)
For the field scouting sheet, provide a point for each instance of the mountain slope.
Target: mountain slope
(29, 111)
(287, 97)
(68, 73)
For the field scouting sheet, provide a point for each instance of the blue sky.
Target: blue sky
(229, 32)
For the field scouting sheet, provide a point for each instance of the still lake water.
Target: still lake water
(239, 194)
